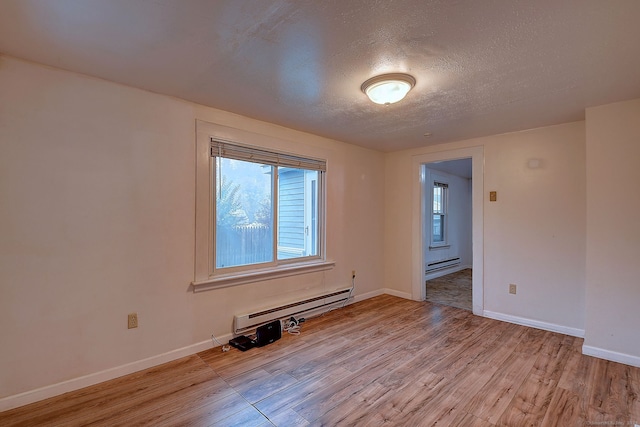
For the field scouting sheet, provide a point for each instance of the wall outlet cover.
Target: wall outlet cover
(132, 321)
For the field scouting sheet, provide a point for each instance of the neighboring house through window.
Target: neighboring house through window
(298, 213)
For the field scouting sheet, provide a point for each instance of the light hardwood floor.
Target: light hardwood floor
(383, 361)
(452, 289)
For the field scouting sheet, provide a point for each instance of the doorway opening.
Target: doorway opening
(447, 213)
(447, 237)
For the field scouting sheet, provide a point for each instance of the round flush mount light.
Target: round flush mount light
(386, 89)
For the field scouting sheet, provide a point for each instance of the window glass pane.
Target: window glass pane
(297, 213)
(244, 213)
(438, 228)
(438, 199)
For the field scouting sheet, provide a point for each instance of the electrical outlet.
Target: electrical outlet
(512, 289)
(133, 321)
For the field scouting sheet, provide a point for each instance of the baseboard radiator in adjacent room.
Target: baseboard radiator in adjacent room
(444, 263)
(324, 301)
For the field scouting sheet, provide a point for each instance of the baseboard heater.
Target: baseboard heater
(244, 322)
(445, 263)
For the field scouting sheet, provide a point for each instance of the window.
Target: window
(259, 213)
(439, 214)
(266, 206)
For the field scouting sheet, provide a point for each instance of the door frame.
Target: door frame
(418, 288)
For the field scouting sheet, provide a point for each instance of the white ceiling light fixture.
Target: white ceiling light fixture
(387, 89)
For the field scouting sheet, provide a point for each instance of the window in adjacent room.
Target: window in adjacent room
(439, 214)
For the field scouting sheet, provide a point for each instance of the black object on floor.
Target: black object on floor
(268, 333)
(242, 343)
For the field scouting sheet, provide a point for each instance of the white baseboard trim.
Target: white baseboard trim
(397, 293)
(52, 390)
(382, 291)
(552, 327)
(613, 356)
(367, 295)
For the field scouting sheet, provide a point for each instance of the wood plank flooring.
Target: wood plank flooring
(452, 289)
(383, 361)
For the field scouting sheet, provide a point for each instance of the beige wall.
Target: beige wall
(534, 235)
(613, 232)
(97, 185)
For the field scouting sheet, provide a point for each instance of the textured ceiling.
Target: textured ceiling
(482, 67)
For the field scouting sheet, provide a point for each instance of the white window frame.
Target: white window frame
(206, 276)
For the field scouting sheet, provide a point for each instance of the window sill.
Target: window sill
(224, 281)
(443, 246)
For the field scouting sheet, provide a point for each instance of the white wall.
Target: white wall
(459, 218)
(534, 235)
(97, 184)
(613, 232)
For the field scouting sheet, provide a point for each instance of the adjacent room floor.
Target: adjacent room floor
(383, 361)
(453, 290)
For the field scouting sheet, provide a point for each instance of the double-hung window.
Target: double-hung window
(439, 214)
(266, 215)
